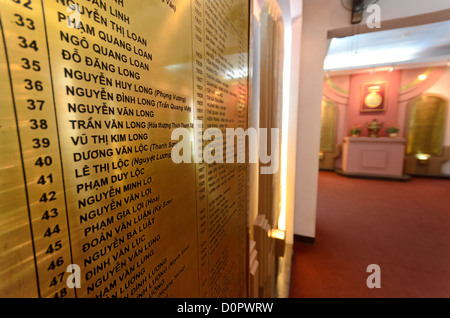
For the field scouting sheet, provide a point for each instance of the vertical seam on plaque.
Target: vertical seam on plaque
(195, 164)
(205, 163)
(58, 136)
(247, 156)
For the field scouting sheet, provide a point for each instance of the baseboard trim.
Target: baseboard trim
(326, 169)
(431, 176)
(373, 176)
(304, 239)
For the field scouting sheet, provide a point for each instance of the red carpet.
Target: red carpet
(404, 227)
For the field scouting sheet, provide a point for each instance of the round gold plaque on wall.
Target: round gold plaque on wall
(373, 100)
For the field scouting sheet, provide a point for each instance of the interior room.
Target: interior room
(376, 149)
(224, 149)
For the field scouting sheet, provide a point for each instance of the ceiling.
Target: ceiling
(429, 43)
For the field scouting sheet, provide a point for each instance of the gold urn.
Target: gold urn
(374, 127)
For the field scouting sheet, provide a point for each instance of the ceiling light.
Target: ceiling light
(422, 77)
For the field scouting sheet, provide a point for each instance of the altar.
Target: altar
(373, 157)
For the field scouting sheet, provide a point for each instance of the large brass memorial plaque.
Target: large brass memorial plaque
(426, 125)
(91, 92)
(328, 125)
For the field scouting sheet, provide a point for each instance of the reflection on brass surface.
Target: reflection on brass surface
(94, 99)
(328, 128)
(47, 227)
(270, 117)
(17, 270)
(426, 125)
(271, 100)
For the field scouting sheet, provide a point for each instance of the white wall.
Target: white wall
(314, 46)
(406, 8)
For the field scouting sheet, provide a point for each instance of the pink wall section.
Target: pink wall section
(403, 86)
(412, 87)
(389, 116)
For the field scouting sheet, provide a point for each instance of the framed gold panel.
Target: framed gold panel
(425, 129)
(328, 126)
